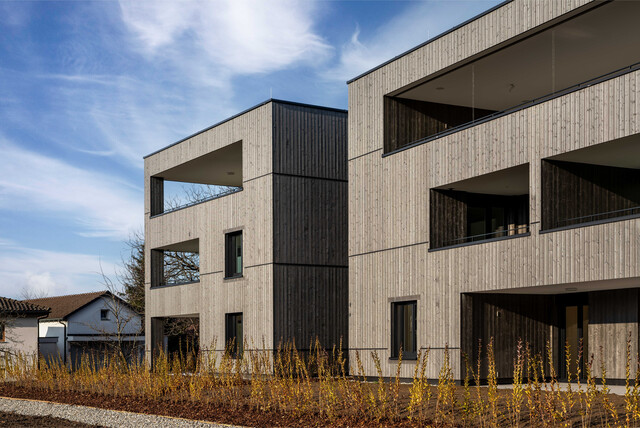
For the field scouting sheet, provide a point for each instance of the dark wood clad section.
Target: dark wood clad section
(613, 307)
(310, 284)
(572, 190)
(309, 142)
(507, 318)
(449, 208)
(310, 224)
(407, 121)
(613, 319)
(308, 302)
(157, 268)
(447, 217)
(157, 195)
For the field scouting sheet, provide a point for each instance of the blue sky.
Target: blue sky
(87, 88)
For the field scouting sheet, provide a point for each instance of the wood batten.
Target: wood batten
(285, 147)
(407, 121)
(309, 142)
(613, 320)
(575, 193)
(310, 302)
(400, 205)
(310, 226)
(310, 222)
(505, 321)
(156, 192)
(157, 267)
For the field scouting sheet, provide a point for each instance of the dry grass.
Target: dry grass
(315, 385)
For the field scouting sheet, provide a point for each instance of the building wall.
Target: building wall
(250, 209)
(53, 329)
(310, 226)
(122, 319)
(21, 335)
(389, 196)
(613, 321)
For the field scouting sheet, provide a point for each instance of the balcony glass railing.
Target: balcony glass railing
(598, 217)
(226, 192)
(488, 236)
(525, 104)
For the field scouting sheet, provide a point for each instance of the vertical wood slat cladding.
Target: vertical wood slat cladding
(310, 221)
(571, 190)
(310, 302)
(449, 208)
(506, 319)
(366, 106)
(250, 209)
(156, 264)
(157, 195)
(309, 142)
(389, 197)
(613, 319)
(447, 217)
(407, 121)
(310, 225)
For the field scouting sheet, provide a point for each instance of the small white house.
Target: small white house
(19, 327)
(86, 324)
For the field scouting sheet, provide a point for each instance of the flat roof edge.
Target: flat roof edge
(270, 100)
(431, 40)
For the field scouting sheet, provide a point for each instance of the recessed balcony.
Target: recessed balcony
(599, 44)
(175, 264)
(488, 207)
(207, 177)
(596, 184)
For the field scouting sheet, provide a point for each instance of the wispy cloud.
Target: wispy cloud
(100, 205)
(48, 272)
(234, 36)
(416, 24)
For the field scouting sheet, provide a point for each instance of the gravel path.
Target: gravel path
(97, 417)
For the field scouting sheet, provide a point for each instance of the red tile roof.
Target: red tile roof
(17, 307)
(62, 306)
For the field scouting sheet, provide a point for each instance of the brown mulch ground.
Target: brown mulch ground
(20, 421)
(188, 410)
(245, 415)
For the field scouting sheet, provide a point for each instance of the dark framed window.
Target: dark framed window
(3, 337)
(233, 254)
(403, 330)
(104, 314)
(233, 334)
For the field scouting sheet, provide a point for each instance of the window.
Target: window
(233, 255)
(403, 330)
(104, 314)
(2, 333)
(233, 334)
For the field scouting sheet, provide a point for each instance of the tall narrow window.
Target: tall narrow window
(233, 334)
(233, 258)
(403, 330)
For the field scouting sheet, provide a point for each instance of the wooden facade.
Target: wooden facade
(574, 193)
(390, 198)
(408, 121)
(449, 222)
(292, 214)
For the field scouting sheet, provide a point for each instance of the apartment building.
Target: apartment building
(271, 249)
(494, 190)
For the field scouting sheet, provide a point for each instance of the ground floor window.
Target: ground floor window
(233, 334)
(403, 329)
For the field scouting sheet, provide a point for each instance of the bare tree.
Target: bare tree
(131, 276)
(124, 322)
(195, 193)
(29, 292)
